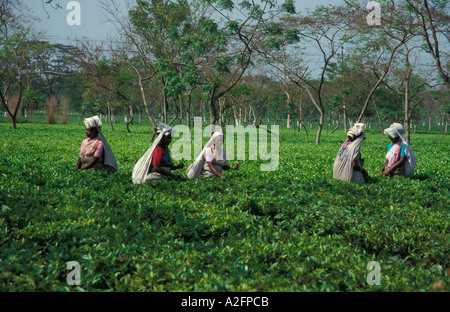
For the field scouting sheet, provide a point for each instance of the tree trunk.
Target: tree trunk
(345, 120)
(144, 100)
(188, 113)
(212, 113)
(212, 108)
(321, 111)
(300, 113)
(181, 109)
(14, 109)
(175, 117)
(202, 111)
(14, 122)
(222, 103)
(131, 114)
(304, 127)
(407, 112)
(379, 117)
(446, 126)
(319, 130)
(109, 114)
(165, 107)
(235, 116)
(337, 123)
(288, 100)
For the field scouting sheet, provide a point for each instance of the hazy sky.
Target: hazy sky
(95, 27)
(94, 24)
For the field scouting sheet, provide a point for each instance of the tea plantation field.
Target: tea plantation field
(294, 229)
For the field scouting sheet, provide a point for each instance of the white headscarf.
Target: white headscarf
(109, 157)
(218, 150)
(356, 130)
(168, 130)
(396, 130)
(140, 170)
(195, 169)
(93, 122)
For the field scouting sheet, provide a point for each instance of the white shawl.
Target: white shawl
(142, 166)
(342, 167)
(195, 169)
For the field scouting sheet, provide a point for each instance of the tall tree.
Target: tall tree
(158, 37)
(327, 29)
(434, 27)
(398, 36)
(239, 23)
(18, 46)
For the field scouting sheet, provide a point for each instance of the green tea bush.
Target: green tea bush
(293, 229)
